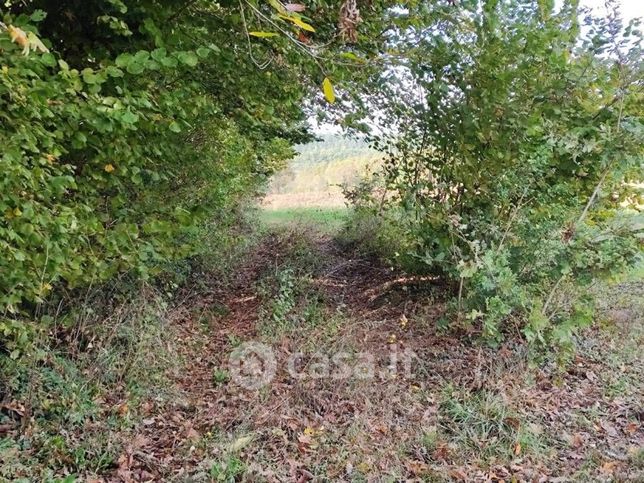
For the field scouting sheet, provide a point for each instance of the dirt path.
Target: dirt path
(460, 411)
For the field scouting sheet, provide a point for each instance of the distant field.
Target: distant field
(309, 190)
(325, 219)
(332, 198)
(315, 176)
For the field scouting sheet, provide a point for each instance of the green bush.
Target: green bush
(513, 145)
(124, 142)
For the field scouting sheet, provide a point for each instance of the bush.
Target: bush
(115, 158)
(512, 145)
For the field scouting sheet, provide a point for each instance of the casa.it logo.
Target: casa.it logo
(252, 365)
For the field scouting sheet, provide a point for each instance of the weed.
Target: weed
(220, 376)
(429, 440)
(227, 471)
(483, 425)
(284, 301)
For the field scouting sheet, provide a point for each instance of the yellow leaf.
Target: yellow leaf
(108, 168)
(27, 40)
(18, 36)
(35, 43)
(298, 22)
(263, 35)
(327, 88)
(17, 212)
(309, 431)
(240, 443)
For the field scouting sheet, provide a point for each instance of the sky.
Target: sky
(630, 8)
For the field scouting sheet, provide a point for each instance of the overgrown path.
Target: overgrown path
(458, 411)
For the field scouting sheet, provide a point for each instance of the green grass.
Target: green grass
(327, 220)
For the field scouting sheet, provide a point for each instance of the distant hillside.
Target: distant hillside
(332, 148)
(321, 166)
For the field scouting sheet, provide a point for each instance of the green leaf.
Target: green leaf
(135, 67)
(188, 58)
(174, 127)
(203, 52)
(113, 71)
(38, 15)
(48, 59)
(277, 6)
(123, 60)
(159, 54)
(327, 88)
(129, 117)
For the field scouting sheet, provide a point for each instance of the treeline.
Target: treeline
(333, 147)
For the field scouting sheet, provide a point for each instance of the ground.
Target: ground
(463, 412)
(446, 408)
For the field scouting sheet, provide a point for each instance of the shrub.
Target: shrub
(512, 146)
(116, 157)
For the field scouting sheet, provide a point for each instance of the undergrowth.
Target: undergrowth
(71, 400)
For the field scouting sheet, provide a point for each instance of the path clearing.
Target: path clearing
(464, 411)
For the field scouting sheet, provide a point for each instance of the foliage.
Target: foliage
(128, 127)
(82, 389)
(513, 138)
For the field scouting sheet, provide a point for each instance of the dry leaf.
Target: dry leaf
(294, 7)
(18, 36)
(609, 467)
(577, 440)
(631, 428)
(241, 443)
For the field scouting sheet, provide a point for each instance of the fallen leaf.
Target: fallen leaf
(458, 474)
(294, 7)
(241, 443)
(631, 428)
(609, 467)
